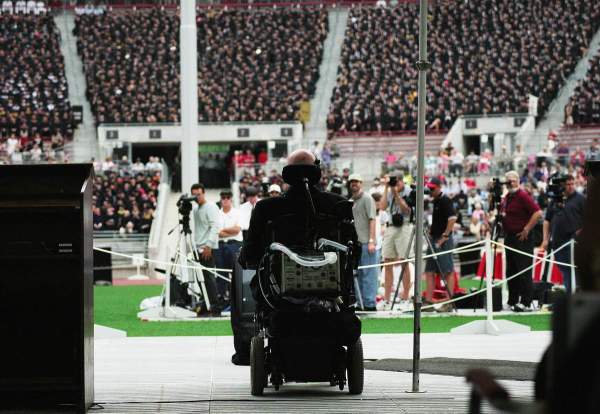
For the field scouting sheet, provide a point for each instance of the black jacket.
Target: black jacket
(293, 202)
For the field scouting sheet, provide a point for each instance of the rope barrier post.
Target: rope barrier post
(572, 275)
(489, 326)
(489, 280)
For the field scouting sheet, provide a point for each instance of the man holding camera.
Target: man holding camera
(564, 219)
(442, 225)
(207, 223)
(520, 213)
(396, 238)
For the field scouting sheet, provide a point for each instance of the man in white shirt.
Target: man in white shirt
(247, 207)
(230, 241)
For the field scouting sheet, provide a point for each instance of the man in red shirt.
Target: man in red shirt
(520, 213)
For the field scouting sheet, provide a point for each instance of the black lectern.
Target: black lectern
(46, 287)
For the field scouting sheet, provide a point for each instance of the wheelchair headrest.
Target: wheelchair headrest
(295, 174)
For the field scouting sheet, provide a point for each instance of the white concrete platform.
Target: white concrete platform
(194, 374)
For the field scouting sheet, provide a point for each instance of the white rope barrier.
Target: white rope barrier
(533, 256)
(468, 247)
(212, 270)
(527, 269)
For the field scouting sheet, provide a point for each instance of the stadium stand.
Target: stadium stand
(254, 65)
(35, 112)
(584, 106)
(515, 49)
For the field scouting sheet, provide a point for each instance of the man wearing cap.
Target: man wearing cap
(247, 207)
(274, 190)
(440, 233)
(520, 213)
(396, 238)
(365, 213)
(230, 241)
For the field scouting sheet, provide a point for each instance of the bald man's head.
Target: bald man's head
(301, 157)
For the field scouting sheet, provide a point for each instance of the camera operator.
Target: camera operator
(520, 213)
(440, 232)
(396, 238)
(207, 224)
(563, 221)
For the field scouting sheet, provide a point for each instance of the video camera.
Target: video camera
(411, 198)
(556, 188)
(337, 184)
(184, 204)
(496, 191)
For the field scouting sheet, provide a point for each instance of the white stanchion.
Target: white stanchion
(138, 261)
(490, 326)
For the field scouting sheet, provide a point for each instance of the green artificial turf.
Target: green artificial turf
(117, 307)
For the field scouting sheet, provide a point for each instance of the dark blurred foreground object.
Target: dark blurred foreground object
(568, 376)
(46, 279)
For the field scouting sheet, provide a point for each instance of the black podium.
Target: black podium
(46, 282)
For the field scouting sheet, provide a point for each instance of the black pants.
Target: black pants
(521, 287)
(225, 259)
(209, 280)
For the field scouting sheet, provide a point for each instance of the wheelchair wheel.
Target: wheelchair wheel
(258, 373)
(355, 368)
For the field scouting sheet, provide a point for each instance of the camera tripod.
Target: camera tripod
(435, 258)
(193, 277)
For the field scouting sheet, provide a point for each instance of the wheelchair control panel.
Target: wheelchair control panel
(296, 278)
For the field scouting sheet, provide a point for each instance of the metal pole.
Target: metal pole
(189, 94)
(422, 65)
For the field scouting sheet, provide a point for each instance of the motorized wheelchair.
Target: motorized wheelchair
(305, 326)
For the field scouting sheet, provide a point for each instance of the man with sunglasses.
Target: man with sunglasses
(230, 241)
(520, 214)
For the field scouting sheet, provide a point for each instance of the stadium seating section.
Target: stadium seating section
(584, 106)
(254, 65)
(35, 113)
(487, 57)
(125, 201)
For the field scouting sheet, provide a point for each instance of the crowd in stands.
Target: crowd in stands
(584, 106)
(253, 65)
(35, 113)
(125, 194)
(486, 56)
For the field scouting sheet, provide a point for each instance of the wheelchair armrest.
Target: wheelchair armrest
(330, 257)
(326, 242)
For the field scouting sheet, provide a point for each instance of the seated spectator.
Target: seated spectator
(253, 65)
(476, 68)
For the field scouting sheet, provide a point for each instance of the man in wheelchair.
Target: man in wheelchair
(304, 248)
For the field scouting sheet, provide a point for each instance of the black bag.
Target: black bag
(397, 219)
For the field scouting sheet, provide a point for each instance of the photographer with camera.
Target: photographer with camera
(563, 222)
(207, 223)
(520, 213)
(442, 225)
(396, 238)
